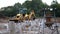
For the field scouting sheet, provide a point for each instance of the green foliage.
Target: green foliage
(11, 10)
(35, 5)
(57, 10)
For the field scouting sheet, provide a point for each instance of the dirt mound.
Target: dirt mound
(3, 19)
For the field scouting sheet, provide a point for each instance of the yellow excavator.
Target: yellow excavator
(23, 17)
(17, 18)
(30, 16)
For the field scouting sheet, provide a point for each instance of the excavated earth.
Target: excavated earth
(35, 27)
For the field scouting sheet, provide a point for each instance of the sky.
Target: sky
(5, 3)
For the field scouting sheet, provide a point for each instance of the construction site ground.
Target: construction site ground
(35, 27)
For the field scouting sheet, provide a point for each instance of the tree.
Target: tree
(35, 5)
(11, 10)
(17, 5)
(56, 5)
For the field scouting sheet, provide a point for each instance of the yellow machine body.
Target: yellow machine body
(20, 17)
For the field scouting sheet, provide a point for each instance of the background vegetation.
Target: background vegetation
(36, 5)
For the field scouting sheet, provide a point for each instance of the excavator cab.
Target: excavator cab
(17, 18)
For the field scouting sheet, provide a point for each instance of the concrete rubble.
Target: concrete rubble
(33, 27)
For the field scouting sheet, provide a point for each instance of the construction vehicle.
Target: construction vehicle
(26, 17)
(30, 16)
(49, 21)
(17, 18)
(23, 17)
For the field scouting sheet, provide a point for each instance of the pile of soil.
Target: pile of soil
(3, 20)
